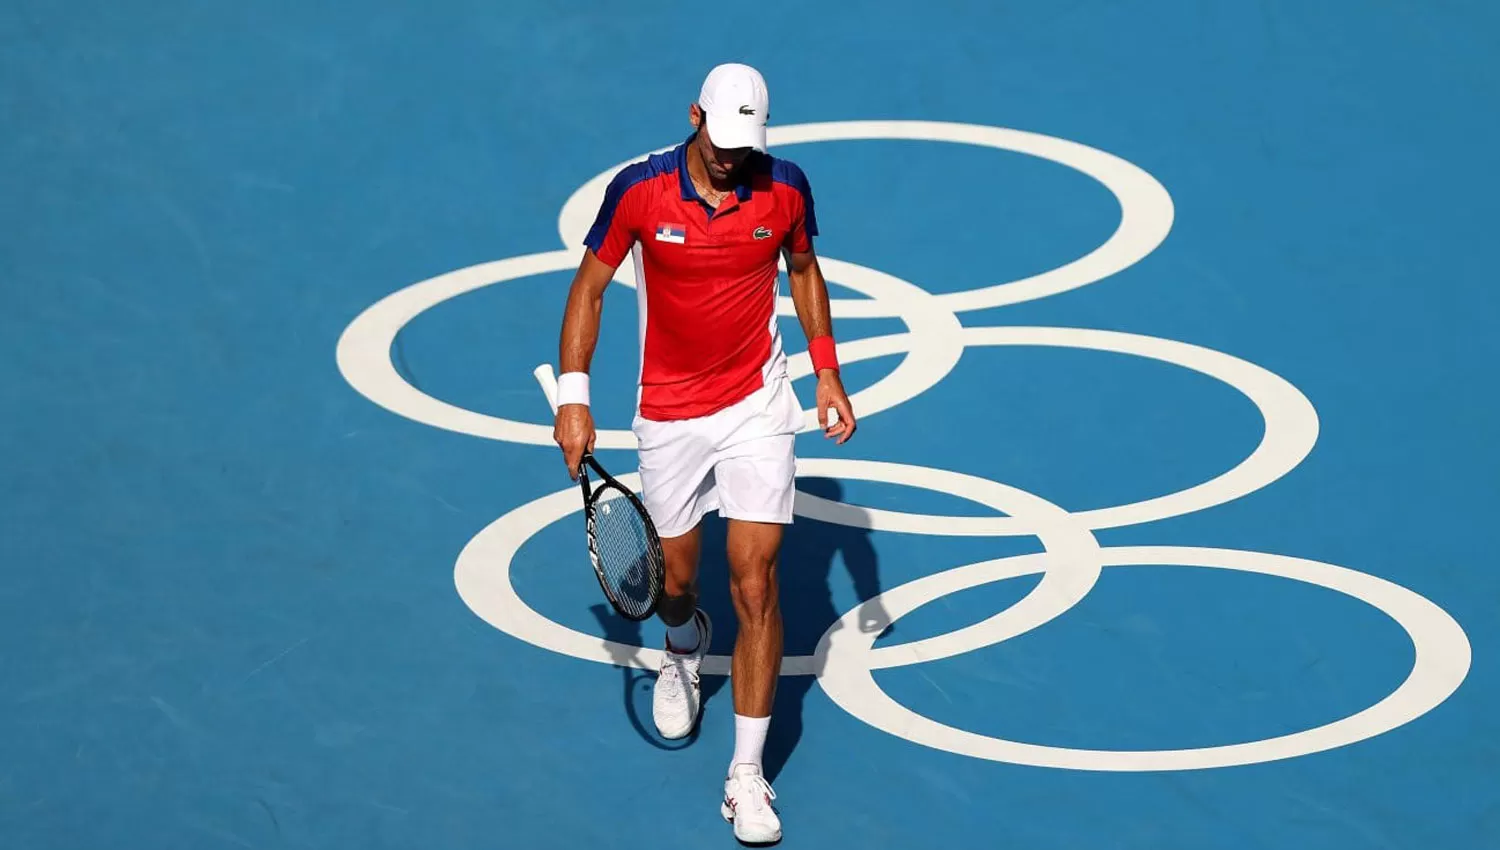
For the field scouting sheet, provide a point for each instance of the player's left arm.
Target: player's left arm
(810, 295)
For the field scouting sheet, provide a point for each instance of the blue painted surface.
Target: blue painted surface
(228, 603)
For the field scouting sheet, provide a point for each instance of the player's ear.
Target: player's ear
(695, 115)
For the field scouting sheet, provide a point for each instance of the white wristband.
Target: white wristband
(573, 388)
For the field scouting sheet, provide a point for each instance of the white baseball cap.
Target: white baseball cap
(735, 99)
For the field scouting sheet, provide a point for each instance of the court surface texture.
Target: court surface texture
(1169, 522)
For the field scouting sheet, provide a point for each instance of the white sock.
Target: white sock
(684, 638)
(749, 740)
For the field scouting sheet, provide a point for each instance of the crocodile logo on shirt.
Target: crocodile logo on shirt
(762, 233)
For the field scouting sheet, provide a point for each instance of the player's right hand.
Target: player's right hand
(573, 430)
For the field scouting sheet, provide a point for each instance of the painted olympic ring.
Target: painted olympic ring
(933, 343)
(482, 574)
(846, 661)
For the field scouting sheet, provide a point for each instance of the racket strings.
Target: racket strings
(627, 559)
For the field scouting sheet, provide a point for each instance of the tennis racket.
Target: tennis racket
(623, 545)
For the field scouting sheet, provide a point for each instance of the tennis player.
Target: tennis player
(704, 226)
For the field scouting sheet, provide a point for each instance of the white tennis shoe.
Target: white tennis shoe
(747, 804)
(676, 699)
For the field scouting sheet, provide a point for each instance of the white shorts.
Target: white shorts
(739, 460)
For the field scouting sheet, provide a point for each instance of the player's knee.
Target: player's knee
(679, 582)
(681, 556)
(674, 610)
(754, 591)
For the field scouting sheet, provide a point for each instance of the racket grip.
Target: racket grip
(548, 380)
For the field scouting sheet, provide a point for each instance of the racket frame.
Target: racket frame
(547, 378)
(656, 561)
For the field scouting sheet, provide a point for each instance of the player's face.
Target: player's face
(721, 162)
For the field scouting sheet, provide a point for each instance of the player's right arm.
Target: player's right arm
(573, 428)
(606, 244)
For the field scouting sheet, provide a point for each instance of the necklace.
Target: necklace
(710, 195)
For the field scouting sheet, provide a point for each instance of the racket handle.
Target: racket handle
(548, 379)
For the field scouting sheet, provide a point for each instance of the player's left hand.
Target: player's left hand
(833, 400)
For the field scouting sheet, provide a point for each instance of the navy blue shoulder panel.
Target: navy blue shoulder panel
(789, 173)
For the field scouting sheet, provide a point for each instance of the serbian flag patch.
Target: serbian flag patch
(675, 233)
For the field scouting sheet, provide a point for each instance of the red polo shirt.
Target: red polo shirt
(706, 278)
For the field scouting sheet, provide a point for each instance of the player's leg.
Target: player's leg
(753, 556)
(676, 697)
(755, 482)
(677, 487)
(680, 597)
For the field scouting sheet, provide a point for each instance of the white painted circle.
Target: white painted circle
(482, 573)
(364, 348)
(1146, 209)
(1443, 655)
(1291, 429)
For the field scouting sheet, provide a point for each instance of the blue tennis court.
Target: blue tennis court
(1168, 522)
